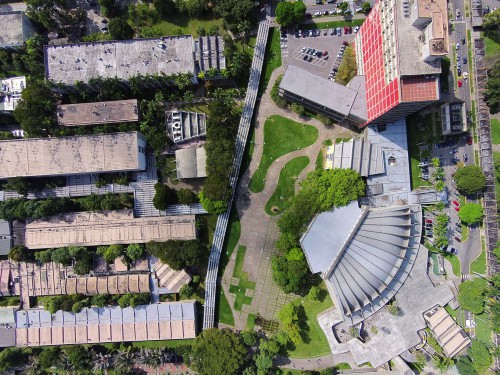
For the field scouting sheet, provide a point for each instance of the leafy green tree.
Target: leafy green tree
(44, 256)
(166, 8)
(163, 196)
(195, 8)
(239, 65)
(235, 11)
(218, 351)
(48, 357)
(124, 301)
(470, 295)
(100, 300)
(443, 364)
(298, 109)
(119, 29)
(11, 358)
(107, 7)
(186, 196)
(186, 291)
(178, 254)
(470, 179)
(465, 367)
(366, 7)
(135, 251)
(44, 11)
(299, 11)
(285, 15)
(491, 21)
(111, 252)
(315, 293)
(141, 15)
(344, 6)
(82, 267)
(348, 67)
(213, 207)
(249, 338)
(471, 213)
(289, 275)
(20, 253)
(480, 356)
(78, 355)
(295, 254)
(36, 109)
(20, 185)
(61, 255)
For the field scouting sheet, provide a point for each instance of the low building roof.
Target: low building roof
(322, 91)
(106, 228)
(360, 156)
(32, 157)
(5, 237)
(183, 126)
(164, 321)
(170, 279)
(98, 113)
(11, 29)
(191, 162)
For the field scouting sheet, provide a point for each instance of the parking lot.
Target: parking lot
(294, 53)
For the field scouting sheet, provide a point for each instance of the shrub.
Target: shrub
(470, 179)
(471, 213)
(471, 295)
(20, 253)
(163, 196)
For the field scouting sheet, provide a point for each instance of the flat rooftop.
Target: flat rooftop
(322, 91)
(69, 63)
(191, 162)
(11, 29)
(106, 228)
(358, 155)
(10, 92)
(98, 113)
(419, 88)
(183, 126)
(33, 157)
(164, 321)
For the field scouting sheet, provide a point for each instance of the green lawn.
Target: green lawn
(316, 345)
(495, 131)
(162, 343)
(455, 262)
(281, 136)
(332, 24)
(244, 284)
(416, 137)
(435, 264)
(479, 264)
(225, 313)
(491, 46)
(207, 233)
(182, 24)
(483, 329)
(319, 161)
(496, 159)
(251, 321)
(272, 59)
(231, 240)
(286, 185)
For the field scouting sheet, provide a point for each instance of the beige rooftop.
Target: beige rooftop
(164, 321)
(72, 155)
(448, 333)
(15, 27)
(98, 113)
(106, 228)
(169, 278)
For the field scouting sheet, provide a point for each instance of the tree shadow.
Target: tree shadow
(304, 325)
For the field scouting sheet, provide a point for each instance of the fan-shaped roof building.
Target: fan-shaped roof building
(364, 254)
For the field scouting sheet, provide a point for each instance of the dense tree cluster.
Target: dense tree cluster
(83, 258)
(27, 59)
(222, 125)
(471, 295)
(289, 316)
(492, 93)
(288, 13)
(179, 254)
(320, 191)
(163, 196)
(470, 179)
(12, 209)
(477, 361)
(348, 67)
(471, 213)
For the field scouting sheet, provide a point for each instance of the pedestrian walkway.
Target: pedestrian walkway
(259, 231)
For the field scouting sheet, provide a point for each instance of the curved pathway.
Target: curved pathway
(259, 230)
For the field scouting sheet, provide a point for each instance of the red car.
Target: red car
(456, 203)
(346, 30)
(457, 209)
(345, 43)
(458, 239)
(428, 221)
(469, 140)
(459, 83)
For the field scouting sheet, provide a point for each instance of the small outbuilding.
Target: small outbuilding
(191, 163)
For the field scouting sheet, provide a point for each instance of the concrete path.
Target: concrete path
(258, 230)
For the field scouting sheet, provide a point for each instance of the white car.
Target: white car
(465, 75)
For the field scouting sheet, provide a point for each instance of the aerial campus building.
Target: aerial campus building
(117, 111)
(37, 157)
(10, 92)
(398, 56)
(80, 62)
(15, 28)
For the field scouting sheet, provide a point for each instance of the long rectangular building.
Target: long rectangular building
(107, 228)
(164, 321)
(36, 157)
(98, 113)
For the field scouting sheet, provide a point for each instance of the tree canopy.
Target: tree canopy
(288, 13)
(178, 254)
(218, 351)
(471, 213)
(471, 295)
(119, 29)
(470, 179)
(163, 196)
(480, 356)
(235, 11)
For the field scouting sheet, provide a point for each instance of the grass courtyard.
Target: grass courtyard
(420, 131)
(182, 24)
(495, 131)
(286, 185)
(316, 344)
(281, 136)
(245, 287)
(272, 59)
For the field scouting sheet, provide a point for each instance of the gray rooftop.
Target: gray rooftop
(69, 63)
(327, 234)
(360, 156)
(397, 334)
(183, 126)
(98, 113)
(393, 186)
(72, 155)
(191, 162)
(5, 237)
(13, 27)
(324, 92)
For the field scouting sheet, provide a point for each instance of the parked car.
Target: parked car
(458, 239)
(428, 221)
(463, 40)
(459, 83)
(456, 203)
(453, 250)
(356, 29)
(458, 229)
(464, 60)
(459, 71)
(345, 43)
(339, 31)
(457, 209)
(457, 46)
(466, 158)
(469, 140)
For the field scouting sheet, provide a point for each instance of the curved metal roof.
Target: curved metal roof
(375, 262)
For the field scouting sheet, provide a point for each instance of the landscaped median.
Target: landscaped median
(281, 136)
(286, 185)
